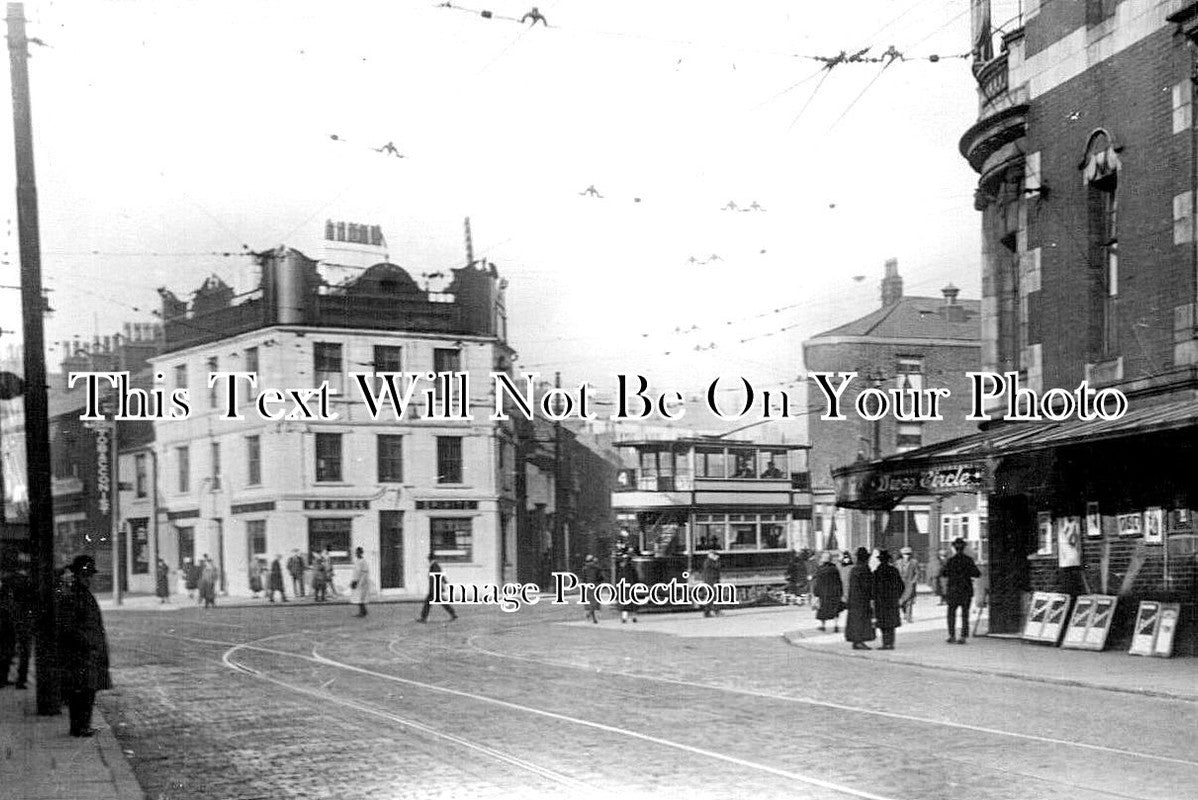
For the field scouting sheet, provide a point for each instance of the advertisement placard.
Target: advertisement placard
(1069, 542)
(1099, 610)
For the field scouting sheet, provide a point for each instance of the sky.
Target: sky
(165, 131)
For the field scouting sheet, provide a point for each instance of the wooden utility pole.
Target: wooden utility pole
(37, 419)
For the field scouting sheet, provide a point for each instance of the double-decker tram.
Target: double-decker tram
(747, 501)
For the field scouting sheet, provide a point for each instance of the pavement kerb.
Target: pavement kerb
(794, 639)
(127, 787)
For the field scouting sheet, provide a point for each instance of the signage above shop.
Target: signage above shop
(250, 508)
(882, 487)
(447, 505)
(190, 514)
(336, 505)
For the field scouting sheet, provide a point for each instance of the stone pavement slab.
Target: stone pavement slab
(40, 761)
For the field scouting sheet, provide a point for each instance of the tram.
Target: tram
(749, 502)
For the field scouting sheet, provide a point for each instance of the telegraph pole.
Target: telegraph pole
(37, 422)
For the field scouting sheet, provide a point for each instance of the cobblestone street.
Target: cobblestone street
(307, 702)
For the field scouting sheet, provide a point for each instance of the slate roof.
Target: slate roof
(913, 318)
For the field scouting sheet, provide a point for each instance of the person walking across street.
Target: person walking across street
(592, 574)
(162, 583)
(711, 576)
(83, 647)
(935, 576)
(276, 579)
(959, 572)
(359, 584)
(888, 591)
(908, 569)
(16, 621)
(295, 568)
(859, 626)
(829, 593)
(434, 569)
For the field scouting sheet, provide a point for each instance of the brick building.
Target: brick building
(912, 343)
(1086, 153)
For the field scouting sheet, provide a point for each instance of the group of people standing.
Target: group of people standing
(199, 580)
(880, 595)
(313, 572)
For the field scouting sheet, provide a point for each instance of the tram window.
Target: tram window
(710, 462)
(744, 536)
(772, 464)
(709, 535)
(745, 468)
(773, 536)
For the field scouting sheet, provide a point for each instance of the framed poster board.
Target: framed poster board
(1093, 521)
(1075, 634)
(1069, 542)
(1046, 617)
(1156, 624)
(1129, 525)
(1099, 610)
(1154, 525)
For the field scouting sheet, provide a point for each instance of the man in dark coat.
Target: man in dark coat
(859, 627)
(83, 647)
(828, 591)
(295, 568)
(16, 621)
(959, 572)
(711, 576)
(888, 591)
(276, 579)
(433, 569)
(592, 574)
(162, 581)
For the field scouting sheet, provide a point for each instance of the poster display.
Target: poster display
(1046, 617)
(1156, 625)
(1091, 632)
(1154, 525)
(1069, 542)
(1093, 521)
(1129, 525)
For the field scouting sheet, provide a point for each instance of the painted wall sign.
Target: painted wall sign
(192, 513)
(447, 505)
(251, 508)
(882, 487)
(336, 505)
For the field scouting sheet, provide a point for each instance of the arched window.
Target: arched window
(1100, 171)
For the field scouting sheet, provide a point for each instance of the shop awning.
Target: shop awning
(964, 464)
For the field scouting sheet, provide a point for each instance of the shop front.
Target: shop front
(1076, 508)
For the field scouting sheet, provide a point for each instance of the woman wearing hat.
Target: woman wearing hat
(859, 625)
(828, 592)
(888, 589)
(83, 647)
(908, 569)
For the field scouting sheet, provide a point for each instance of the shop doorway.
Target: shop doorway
(1012, 530)
(391, 550)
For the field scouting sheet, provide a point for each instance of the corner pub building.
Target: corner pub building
(241, 491)
(1086, 187)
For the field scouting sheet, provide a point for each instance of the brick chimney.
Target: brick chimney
(952, 311)
(892, 284)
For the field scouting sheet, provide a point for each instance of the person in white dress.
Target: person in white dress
(360, 582)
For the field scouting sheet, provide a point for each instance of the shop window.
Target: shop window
(451, 539)
(449, 459)
(333, 533)
(326, 358)
(390, 458)
(328, 457)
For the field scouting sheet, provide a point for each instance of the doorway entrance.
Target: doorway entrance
(391, 550)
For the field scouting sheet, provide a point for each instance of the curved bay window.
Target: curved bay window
(1100, 171)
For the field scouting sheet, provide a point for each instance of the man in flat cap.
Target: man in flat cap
(908, 569)
(959, 573)
(83, 647)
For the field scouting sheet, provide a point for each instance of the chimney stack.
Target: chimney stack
(952, 311)
(892, 284)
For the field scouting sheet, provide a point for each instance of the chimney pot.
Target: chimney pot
(892, 284)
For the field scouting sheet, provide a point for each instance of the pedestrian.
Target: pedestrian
(16, 621)
(330, 586)
(434, 569)
(908, 569)
(359, 584)
(845, 567)
(191, 577)
(858, 626)
(592, 574)
(796, 575)
(935, 575)
(256, 577)
(276, 579)
(875, 558)
(320, 585)
(828, 591)
(959, 572)
(207, 583)
(295, 568)
(83, 648)
(629, 578)
(711, 576)
(162, 586)
(888, 592)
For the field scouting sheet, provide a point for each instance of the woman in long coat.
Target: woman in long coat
(162, 586)
(359, 584)
(888, 591)
(828, 591)
(859, 626)
(191, 577)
